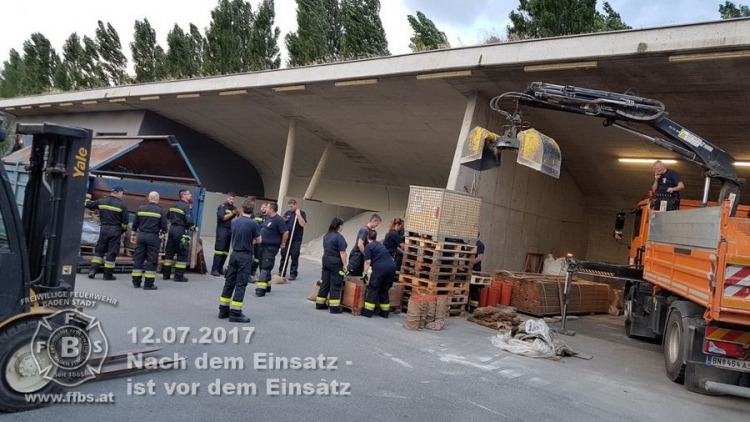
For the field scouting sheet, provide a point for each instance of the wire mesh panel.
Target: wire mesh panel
(442, 213)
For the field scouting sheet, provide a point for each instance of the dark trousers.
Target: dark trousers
(294, 249)
(377, 290)
(221, 249)
(175, 248)
(146, 257)
(474, 295)
(332, 282)
(237, 277)
(267, 260)
(356, 263)
(107, 248)
(256, 260)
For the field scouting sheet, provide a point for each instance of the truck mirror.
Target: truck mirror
(619, 225)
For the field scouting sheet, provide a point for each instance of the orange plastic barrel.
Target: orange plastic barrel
(494, 296)
(506, 294)
(484, 294)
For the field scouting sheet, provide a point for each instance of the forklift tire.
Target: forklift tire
(15, 358)
(674, 347)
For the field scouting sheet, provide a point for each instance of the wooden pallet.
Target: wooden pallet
(428, 275)
(441, 267)
(426, 253)
(438, 287)
(437, 245)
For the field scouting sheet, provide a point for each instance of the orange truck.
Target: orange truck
(688, 276)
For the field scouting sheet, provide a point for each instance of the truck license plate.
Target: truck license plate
(733, 364)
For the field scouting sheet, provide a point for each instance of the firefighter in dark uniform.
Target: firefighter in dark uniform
(245, 234)
(476, 267)
(273, 234)
(259, 218)
(356, 262)
(181, 223)
(224, 215)
(334, 261)
(295, 220)
(113, 215)
(382, 278)
(150, 222)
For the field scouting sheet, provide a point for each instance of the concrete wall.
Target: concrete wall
(355, 195)
(218, 167)
(601, 245)
(122, 123)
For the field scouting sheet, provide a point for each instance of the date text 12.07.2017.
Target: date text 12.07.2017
(186, 335)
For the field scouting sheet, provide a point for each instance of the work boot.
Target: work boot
(366, 313)
(180, 278)
(223, 312)
(470, 309)
(166, 272)
(321, 306)
(236, 315)
(108, 276)
(215, 273)
(292, 277)
(268, 288)
(260, 292)
(335, 309)
(137, 282)
(384, 313)
(92, 272)
(150, 286)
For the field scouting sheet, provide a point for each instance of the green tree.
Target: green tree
(12, 76)
(40, 61)
(179, 58)
(363, 33)
(318, 36)
(426, 35)
(551, 18)
(197, 44)
(112, 59)
(227, 48)
(148, 56)
(264, 39)
(729, 10)
(94, 75)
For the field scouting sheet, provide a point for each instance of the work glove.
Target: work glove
(185, 240)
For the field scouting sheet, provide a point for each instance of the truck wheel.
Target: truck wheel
(20, 373)
(674, 350)
(627, 308)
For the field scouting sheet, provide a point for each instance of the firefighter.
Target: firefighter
(259, 218)
(667, 186)
(181, 223)
(149, 225)
(476, 267)
(334, 262)
(295, 220)
(356, 263)
(273, 234)
(245, 234)
(225, 213)
(114, 217)
(383, 274)
(394, 241)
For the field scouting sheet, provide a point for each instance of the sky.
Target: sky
(465, 22)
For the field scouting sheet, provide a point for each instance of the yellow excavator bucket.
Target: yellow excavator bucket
(535, 150)
(540, 152)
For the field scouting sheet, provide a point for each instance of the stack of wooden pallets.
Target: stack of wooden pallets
(439, 268)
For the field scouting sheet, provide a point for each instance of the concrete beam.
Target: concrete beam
(286, 170)
(477, 113)
(318, 172)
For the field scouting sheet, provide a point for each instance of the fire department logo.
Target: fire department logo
(69, 347)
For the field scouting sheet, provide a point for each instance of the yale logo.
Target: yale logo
(80, 169)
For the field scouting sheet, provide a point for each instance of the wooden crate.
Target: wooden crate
(443, 214)
(353, 297)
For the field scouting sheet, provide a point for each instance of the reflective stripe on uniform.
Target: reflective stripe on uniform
(149, 214)
(167, 263)
(369, 306)
(385, 306)
(474, 303)
(109, 265)
(110, 208)
(97, 260)
(221, 253)
(320, 300)
(256, 260)
(136, 273)
(262, 284)
(150, 274)
(236, 304)
(334, 302)
(180, 265)
(224, 300)
(177, 210)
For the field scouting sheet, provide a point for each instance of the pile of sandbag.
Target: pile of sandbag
(426, 311)
(496, 318)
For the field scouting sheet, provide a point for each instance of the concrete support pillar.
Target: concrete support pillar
(477, 113)
(286, 171)
(318, 171)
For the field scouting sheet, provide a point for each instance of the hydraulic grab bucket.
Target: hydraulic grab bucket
(535, 150)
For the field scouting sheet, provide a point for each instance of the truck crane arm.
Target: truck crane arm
(619, 109)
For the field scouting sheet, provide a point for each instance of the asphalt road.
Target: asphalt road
(393, 374)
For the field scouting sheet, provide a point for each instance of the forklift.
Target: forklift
(39, 255)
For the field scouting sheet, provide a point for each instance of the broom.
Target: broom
(282, 278)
